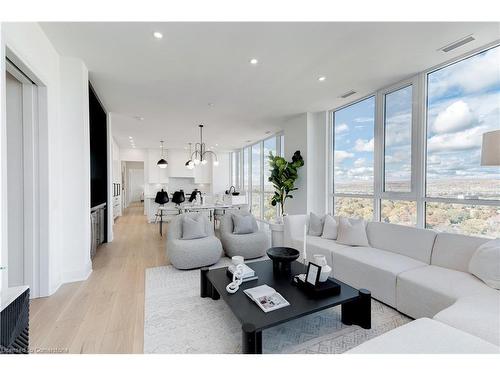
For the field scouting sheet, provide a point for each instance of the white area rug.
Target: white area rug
(178, 320)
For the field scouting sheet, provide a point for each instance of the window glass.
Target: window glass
(354, 207)
(462, 104)
(399, 212)
(465, 219)
(397, 142)
(256, 175)
(269, 209)
(353, 148)
(246, 188)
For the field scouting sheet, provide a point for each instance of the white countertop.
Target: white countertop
(10, 294)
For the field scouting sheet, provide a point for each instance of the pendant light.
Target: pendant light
(162, 163)
(189, 164)
(199, 156)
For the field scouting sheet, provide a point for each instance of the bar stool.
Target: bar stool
(161, 198)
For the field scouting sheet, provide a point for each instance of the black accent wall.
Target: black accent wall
(98, 150)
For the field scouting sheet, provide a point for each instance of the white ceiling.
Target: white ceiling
(170, 81)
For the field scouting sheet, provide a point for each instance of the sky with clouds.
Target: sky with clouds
(463, 103)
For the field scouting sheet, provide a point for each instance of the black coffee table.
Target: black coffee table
(356, 304)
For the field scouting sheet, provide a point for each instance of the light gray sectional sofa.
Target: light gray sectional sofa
(421, 273)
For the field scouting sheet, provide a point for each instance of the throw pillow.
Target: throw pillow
(315, 225)
(330, 229)
(352, 232)
(193, 227)
(485, 263)
(243, 224)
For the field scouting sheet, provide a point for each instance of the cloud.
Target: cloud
(457, 116)
(471, 75)
(363, 145)
(464, 140)
(360, 162)
(341, 128)
(398, 130)
(363, 119)
(341, 155)
(364, 173)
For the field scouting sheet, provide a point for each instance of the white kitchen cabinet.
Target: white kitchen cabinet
(155, 174)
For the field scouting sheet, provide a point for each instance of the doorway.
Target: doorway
(22, 179)
(133, 181)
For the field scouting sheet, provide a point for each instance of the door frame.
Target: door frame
(36, 177)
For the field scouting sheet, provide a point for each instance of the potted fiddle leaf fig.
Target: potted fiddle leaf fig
(283, 176)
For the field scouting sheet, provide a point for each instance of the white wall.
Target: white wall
(30, 45)
(295, 131)
(75, 168)
(63, 165)
(221, 180)
(132, 154)
(317, 171)
(308, 132)
(3, 169)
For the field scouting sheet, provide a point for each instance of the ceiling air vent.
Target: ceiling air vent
(458, 43)
(347, 94)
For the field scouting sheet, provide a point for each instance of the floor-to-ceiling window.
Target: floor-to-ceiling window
(254, 174)
(353, 139)
(463, 102)
(256, 180)
(410, 154)
(245, 172)
(398, 204)
(269, 210)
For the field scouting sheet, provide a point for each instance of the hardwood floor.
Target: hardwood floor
(105, 313)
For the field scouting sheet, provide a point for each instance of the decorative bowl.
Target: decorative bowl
(282, 257)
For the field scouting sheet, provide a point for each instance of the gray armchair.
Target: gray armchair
(249, 246)
(189, 254)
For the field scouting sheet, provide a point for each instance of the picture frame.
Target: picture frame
(312, 275)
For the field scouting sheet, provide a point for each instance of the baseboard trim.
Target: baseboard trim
(77, 275)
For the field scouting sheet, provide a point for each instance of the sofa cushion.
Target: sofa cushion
(425, 291)
(425, 336)
(352, 232)
(372, 269)
(321, 246)
(454, 250)
(243, 224)
(330, 228)
(478, 315)
(413, 242)
(193, 227)
(485, 263)
(315, 224)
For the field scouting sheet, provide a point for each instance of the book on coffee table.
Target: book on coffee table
(266, 298)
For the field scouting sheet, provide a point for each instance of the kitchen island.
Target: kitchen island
(171, 209)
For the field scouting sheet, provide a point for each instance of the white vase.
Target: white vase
(320, 260)
(325, 272)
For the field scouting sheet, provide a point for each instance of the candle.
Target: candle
(305, 246)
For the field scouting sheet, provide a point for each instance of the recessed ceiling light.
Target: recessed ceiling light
(158, 35)
(322, 78)
(211, 104)
(130, 137)
(139, 118)
(254, 61)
